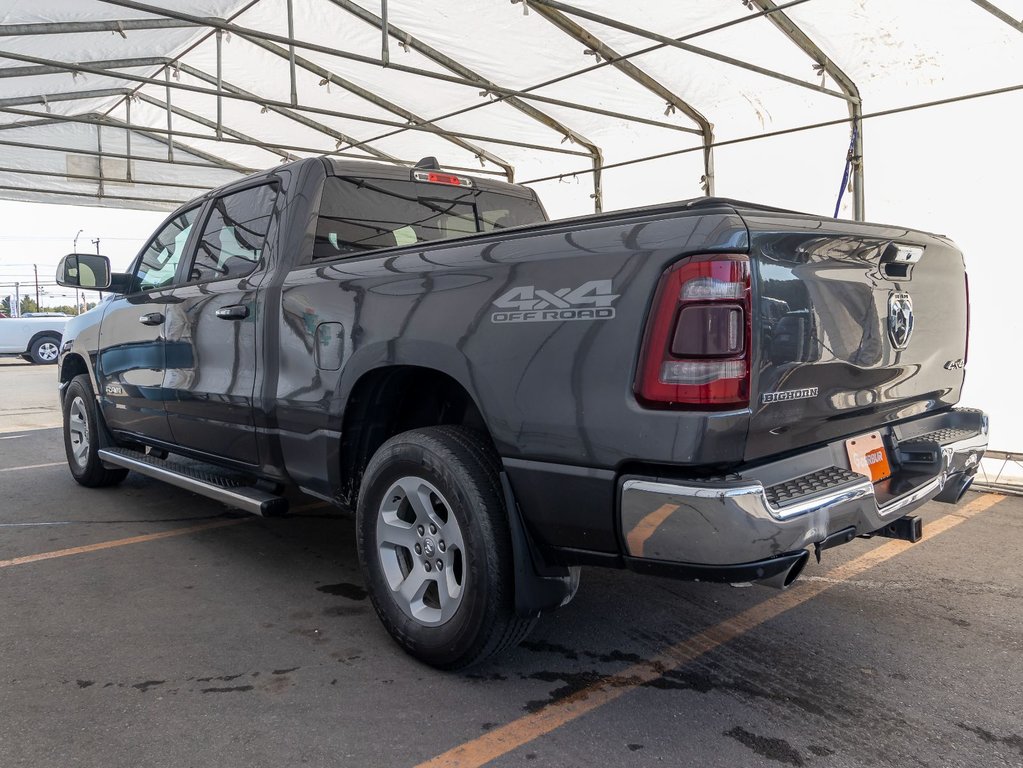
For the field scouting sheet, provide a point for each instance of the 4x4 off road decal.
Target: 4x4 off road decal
(528, 304)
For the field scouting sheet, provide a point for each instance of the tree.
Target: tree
(5, 306)
(28, 304)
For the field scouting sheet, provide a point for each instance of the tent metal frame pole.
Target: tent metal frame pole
(462, 70)
(291, 53)
(673, 43)
(96, 93)
(220, 82)
(91, 196)
(319, 127)
(144, 159)
(105, 64)
(170, 127)
(334, 52)
(528, 92)
(68, 27)
(93, 153)
(127, 136)
(154, 134)
(793, 32)
(328, 76)
(191, 47)
(1017, 88)
(35, 70)
(385, 34)
(630, 70)
(99, 159)
(93, 119)
(220, 129)
(998, 13)
(140, 95)
(237, 138)
(92, 177)
(269, 103)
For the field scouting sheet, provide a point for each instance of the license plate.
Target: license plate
(868, 456)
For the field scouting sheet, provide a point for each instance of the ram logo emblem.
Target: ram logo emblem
(900, 318)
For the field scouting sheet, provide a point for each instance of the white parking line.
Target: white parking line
(34, 466)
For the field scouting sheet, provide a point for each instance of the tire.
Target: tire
(83, 429)
(45, 350)
(455, 472)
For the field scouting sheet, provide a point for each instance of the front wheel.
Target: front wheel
(435, 547)
(45, 350)
(82, 430)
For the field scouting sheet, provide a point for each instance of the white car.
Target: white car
(36, 339)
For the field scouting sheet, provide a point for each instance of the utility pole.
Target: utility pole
(16, 309)
(78, 307)
(35, 268)
(96, 243)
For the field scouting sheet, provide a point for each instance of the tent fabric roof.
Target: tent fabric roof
(134, 104)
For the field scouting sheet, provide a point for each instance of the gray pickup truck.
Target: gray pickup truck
(707, 389)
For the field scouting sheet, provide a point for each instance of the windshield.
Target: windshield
(357, 215)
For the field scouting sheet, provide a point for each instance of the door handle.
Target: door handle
(233, 312)
(151, 318)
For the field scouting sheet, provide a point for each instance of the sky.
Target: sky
(38, 235)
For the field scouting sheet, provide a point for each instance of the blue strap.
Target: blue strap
(848, 167)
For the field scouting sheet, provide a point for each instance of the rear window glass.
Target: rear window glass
(359, 215)
(235, 233)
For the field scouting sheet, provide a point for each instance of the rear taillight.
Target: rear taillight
(697, 346)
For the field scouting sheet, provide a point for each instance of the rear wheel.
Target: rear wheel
(82, 431)
(435, 547)
(45, 350)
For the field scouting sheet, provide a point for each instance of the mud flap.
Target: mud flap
(538, 587)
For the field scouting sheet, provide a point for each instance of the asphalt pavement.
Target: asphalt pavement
(145, 626)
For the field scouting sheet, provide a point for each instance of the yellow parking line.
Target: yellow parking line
(500, 741)
(140, 539)
(644, 529)
(121, 542)
(35, 466)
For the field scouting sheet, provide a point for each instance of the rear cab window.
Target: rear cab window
(358, 215)
(234, 234)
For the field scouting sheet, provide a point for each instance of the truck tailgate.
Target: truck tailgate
(855, 326)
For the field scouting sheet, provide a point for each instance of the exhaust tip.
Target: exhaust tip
(796, 569)
(784, 578)
(964, 488)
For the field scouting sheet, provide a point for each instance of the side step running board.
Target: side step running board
(230, 489)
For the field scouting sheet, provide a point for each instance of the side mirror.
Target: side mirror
(84, 270)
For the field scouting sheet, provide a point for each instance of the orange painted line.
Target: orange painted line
(645, 528)
(141, 539)
(121, 542)
(501, 741)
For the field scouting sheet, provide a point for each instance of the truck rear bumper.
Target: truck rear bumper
(766, 516)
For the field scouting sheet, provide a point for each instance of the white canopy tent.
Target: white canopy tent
(899, 104)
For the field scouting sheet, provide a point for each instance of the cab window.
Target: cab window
(234, 236)
(159, 262)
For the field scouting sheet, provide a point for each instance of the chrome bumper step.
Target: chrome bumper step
(821, 481)
(233, 489)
